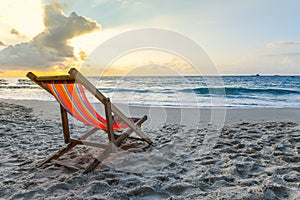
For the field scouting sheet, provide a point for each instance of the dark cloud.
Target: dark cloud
(51, 47)
(2, 44)
(15, 31)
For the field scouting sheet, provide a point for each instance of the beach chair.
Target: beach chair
(69, 91)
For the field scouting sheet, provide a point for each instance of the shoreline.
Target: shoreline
(157, 106)
(183, 116)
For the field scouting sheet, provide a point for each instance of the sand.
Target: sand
(249, 154)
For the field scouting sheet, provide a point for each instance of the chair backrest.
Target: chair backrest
(73, 98)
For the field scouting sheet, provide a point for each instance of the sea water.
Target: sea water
(175, 91)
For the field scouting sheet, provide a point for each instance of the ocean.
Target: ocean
(179, 91)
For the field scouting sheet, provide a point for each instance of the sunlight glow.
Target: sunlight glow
(23, 16)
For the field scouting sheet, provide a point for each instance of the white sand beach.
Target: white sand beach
(252, 153)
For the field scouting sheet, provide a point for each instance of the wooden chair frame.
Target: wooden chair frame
(113, 141)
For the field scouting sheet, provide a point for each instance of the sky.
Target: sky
(240, 37)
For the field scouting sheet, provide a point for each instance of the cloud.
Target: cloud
(130, 3)
(17, 33)
(14, 31)
(284, 54)
(283, 43)
(2, 43)
(118, 2)
(51, 47)
(82, 55)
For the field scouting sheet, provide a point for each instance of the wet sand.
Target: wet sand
(253, 154)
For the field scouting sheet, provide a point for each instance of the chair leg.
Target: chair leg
(65, 124)
(67, 148)
(57, 155)
(108, 114)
